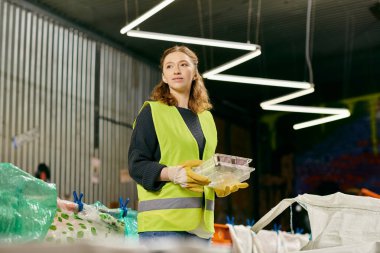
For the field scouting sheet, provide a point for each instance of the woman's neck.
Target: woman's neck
(182, 99)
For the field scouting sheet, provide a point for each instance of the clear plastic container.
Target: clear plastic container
(224, 170)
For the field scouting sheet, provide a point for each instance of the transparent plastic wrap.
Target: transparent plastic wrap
(224, 170)
(27, 205)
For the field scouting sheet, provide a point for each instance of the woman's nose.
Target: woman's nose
(177, 70)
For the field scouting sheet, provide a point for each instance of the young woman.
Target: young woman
(172, 134)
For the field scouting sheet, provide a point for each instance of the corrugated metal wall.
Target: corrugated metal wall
(65, 98)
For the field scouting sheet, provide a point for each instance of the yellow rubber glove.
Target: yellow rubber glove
(186, 177)
(228, 189)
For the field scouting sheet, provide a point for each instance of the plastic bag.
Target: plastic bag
(131, 224)
(94, 222)
(266, 241)
(245, 240)
(130, 221)
(336, 220)
(27, 205)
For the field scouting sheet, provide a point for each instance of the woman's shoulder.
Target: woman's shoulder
(159, 106)
(145, 110)
(206, 114)
(144, 117)
(151, 103)
(153, 106)
(148, 106)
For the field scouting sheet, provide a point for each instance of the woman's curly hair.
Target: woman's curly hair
(199, 100)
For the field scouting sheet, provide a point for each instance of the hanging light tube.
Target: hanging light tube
(288, 97)
(304, 109)
(209, 74)
(192, 40)
(260, 81)
(214, 74)
(273, 104)
(310, 123)
(145, 16)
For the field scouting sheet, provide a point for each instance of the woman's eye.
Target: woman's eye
(184, 64)
(169, 66)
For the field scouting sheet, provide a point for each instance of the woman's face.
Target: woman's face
(178, 72)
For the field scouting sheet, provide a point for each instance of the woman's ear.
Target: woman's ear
(163, 78)
(196, 74)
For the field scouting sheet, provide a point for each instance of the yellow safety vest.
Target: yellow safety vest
(174, 208)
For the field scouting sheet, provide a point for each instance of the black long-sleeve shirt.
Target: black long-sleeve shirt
(144, 151)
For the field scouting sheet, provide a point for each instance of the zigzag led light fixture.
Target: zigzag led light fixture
(214, 74)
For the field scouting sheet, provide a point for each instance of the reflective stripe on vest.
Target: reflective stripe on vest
(174, 203)
(210, 205)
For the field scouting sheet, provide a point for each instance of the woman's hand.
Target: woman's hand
(227, 190)
(186, 177)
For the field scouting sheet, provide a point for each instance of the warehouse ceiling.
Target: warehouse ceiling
(344, 43)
